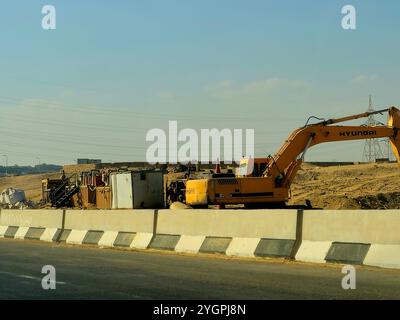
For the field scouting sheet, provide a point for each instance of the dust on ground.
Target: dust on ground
(362, 186)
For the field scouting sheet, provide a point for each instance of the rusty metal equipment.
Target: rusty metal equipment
(58, 193)
(103, 198)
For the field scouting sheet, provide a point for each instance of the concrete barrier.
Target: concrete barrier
(383, 255)
(127, 228)
(110, 220)
(367, 237)
(118, 227)
(31, 224)
(348, 236)
(231, 232)
(32, 218)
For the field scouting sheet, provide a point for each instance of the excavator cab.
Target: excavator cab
(252, 167)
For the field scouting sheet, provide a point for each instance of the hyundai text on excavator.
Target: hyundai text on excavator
(266, 182)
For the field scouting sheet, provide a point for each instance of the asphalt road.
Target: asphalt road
(92, 273)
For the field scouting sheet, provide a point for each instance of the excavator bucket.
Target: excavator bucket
(394, 122)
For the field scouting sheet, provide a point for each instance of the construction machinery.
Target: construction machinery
(58, 192)
(265, 182)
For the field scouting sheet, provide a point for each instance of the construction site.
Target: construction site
(281, 181)
(343, 186)
(203, 209)
(200, 150)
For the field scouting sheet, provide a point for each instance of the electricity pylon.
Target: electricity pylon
(372, 148)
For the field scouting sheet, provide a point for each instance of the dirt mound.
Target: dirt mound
(380, 201)
(362, 186)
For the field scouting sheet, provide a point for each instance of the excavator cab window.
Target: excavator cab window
(262, 168)
(258, 169)
(255, 170)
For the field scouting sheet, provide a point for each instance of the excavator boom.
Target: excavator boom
(302, 139)
(272, 184)
(353, 117)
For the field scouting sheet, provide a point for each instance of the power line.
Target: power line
(38, 103)
(372, 148)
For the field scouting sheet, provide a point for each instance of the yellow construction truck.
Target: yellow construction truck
(266, 181)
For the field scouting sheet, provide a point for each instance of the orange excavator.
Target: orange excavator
(265, 182)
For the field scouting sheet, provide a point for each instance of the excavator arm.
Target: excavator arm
(289, 158)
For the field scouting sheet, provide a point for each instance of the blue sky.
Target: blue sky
(112, 70)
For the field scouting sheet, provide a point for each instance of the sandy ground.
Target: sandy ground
(365, 186)
(31, 184)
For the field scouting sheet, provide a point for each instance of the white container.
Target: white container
(137, 190)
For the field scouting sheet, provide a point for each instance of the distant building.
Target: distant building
(88, 161)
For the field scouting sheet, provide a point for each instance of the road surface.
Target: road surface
(92, 273)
